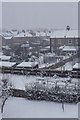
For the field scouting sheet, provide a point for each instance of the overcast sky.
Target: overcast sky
(26, 15)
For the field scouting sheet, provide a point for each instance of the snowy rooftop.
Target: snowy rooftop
(22, 34)
(48, 47)
(68, 48)
(40, 34)
(4, 57)
(27, 64)
(8, 37)
(76, 66)
(14, 32)
(7, 64)
(6, 47)
(25, 45)
(64, 33)
(6, 34)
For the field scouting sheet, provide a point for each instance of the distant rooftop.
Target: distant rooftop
(22, 34)
(4, 57)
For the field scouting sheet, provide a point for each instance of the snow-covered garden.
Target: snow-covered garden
(23, 108)
(16, 107)
(19, 81)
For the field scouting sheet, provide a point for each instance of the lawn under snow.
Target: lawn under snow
(23, 108)
(19, 81)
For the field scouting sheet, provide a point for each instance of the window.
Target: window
(70, 41)
(52, 41)
(76, 41)
(59, 41)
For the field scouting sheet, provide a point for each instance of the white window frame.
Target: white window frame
(52, 41)
(59, 41)
(77, 41)
(69, 41)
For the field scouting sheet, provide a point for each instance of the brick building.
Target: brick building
(62, 38)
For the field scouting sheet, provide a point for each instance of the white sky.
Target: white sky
(39, 0)
(39, 15)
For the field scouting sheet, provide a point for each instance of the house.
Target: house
(66, 37)
(7, 40)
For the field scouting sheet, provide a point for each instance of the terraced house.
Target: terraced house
(64, 41)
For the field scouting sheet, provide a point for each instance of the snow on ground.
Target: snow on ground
(23, 108)
(19, 81)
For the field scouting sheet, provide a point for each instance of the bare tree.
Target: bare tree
(6, 91)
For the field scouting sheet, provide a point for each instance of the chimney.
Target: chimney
(68, 27)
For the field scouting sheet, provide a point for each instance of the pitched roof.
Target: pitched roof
(7, 64)
(65, 33)
(27, 64)
(76, 66)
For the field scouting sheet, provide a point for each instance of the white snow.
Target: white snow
(19, 81)
(40, 34)
(23, 108)
(46, 65)
(48, 47)
(6, 47)
(8, 37)
(28, 34)
(67, 66)
(6, 64)
(22, 34)
(77, 66)
(65, 33)
(27, 64)
(4, 57)
(68, 48)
